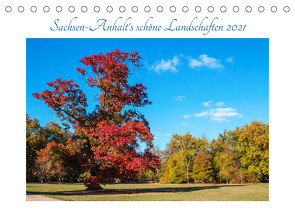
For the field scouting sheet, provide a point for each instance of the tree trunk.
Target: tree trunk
(41, 177)
(94, 183)
(187, 178)
(187, 173)
(96, 187)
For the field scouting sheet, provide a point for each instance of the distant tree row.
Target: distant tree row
(237, 156)
(45, 157)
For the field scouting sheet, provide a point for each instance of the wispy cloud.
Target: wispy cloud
(166, 65)
(186, 116)
(172, 65)
(208, 103)
(180, 98)
(193, 63)
(216, 113)
(224, 114)
(201, 114)
(230, 60)
(205, 60)
(220, 103)
(219, 114)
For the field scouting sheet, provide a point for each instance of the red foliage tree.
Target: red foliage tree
(108, 137)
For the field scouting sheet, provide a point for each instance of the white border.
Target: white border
(15, 27)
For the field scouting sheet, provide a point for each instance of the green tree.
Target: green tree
(37, 137)
(172, 170)
(57, 133)
(35, 140)
(253, 144)
(226, 156)
(154, 174)
(242, 154)
(179, 157)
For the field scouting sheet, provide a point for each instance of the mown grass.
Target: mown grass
(154, 192)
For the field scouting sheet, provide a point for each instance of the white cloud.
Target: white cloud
(180, 98)
(217, 114)
(193, 63)
(219, 119)
(210, 62)
(186, 116)
(166, 65)
(204, 60)
(230, 60)
(171, 65)
(167, 134)
(220, 104)
(223, 113)
(202, 114)
(208, 103)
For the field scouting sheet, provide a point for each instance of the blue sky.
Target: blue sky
(201, 86)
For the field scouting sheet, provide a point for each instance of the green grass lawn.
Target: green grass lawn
(154, 192)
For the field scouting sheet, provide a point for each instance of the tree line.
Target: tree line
(237, 156)
(44, 146)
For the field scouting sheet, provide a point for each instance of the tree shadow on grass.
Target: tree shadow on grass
(134, 191)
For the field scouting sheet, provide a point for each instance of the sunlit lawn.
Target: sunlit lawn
(154, 192)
